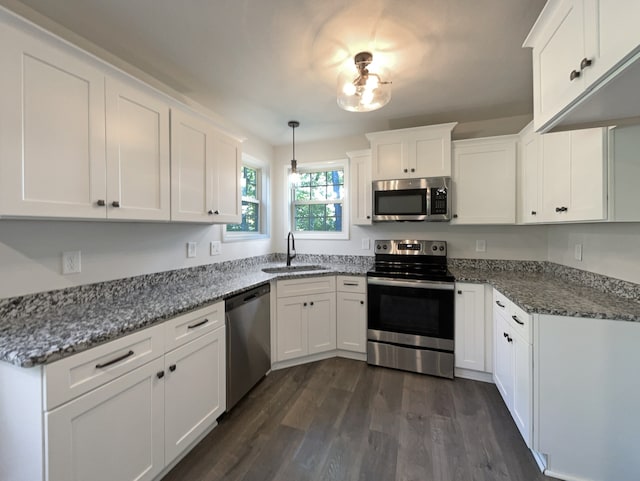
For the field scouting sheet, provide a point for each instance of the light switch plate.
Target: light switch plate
(192, 249)
(214, 248)
(366, 244)
(481, 246)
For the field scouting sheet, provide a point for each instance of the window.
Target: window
(253, 222)
(318, 208)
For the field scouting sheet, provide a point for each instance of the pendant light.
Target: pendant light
(362, 90)
(294, 177)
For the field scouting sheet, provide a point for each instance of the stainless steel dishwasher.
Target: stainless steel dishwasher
(248, 341)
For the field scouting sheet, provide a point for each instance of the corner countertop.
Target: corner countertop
(39, 335)
(547, 293)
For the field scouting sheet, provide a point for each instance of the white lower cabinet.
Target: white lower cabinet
(194, 390)
(306, 324)
(513, 362)
(352, 313)
(469, 327)
(113, 432)
(122, 411)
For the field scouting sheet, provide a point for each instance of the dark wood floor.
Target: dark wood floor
(344, 420)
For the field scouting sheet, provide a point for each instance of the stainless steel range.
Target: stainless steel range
(410, 321)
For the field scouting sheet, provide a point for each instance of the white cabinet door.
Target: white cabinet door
(52, 141)
(573, 175)
(502, 359)
(352, 321)
(113, 432)
(557, 54)
(618, 31)
(530, 182)
(321, 318)
(389, 158)
(522, 398)
(225, 180)
(192, 164)
(588, 175)
(556, 175)
(360, 171)
(138, 186)
(469, 326)
(484, 181)
(195, 390)
(292, 328)
(430, 154)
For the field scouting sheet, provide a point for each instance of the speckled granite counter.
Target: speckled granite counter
(41, 328)
(545, 288)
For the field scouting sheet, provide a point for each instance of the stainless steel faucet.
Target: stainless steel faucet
(292, 240)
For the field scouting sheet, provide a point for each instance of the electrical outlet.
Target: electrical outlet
(71, 262)
(192, 249)
(481, 246)
(214, 248)
(366, 244)
(577, 252)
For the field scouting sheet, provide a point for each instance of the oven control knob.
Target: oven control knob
(441, 248)
(378, 247)
(434, 248)
(384, 247)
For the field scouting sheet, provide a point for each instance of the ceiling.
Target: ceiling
(261, 63)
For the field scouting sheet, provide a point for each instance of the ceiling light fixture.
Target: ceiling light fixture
(293, 173)
(366, 91)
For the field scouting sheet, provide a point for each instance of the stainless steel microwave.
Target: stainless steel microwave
(424, 199)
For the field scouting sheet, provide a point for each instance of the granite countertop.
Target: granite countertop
(547, 293)
(41, 328)
(35, 335)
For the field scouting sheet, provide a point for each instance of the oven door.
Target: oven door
(411, 312)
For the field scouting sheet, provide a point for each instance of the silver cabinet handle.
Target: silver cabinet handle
(586, 62)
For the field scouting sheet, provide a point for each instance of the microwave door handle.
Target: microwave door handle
(379, 281)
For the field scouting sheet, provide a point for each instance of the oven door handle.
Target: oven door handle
(381, 281)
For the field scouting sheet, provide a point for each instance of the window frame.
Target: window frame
(262, 190)
(289, 207)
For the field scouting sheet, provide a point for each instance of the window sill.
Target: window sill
(242, 236)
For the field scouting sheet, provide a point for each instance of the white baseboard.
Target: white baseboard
(474, 375)
(540, 459)
(358, 356)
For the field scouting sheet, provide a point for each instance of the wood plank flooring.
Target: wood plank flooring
(340, 419)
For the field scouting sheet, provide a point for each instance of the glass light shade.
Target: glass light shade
(357, 94)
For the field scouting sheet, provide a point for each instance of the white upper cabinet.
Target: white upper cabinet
(360, 170)
(484, 180)
(52, 129)
(586, 62)
(408, 153)
(529, 173)
(205, 171)
(574, 175)
(138, 185)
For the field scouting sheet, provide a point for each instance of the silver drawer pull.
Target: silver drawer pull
(197, 324)
(500, 304)
(515, 318)
(113, 361)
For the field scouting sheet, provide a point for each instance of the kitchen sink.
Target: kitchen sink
(296, 268)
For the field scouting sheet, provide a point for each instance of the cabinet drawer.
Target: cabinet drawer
(82, 372)
(189, 326)
(518, 319)
(352, 284)
(305, 286)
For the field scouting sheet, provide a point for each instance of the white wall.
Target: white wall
(609, 249)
